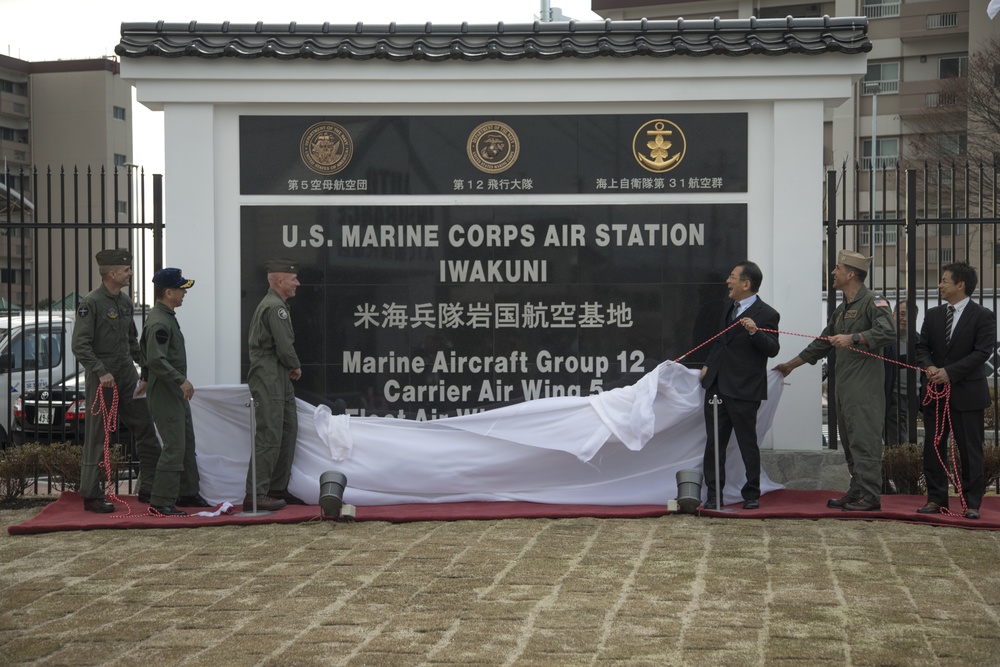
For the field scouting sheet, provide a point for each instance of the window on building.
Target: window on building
(122, 207)
(886, 154)
(119, 113)
(813, 9)
(881, 9)
(13, 87)
(954, 144)
(6, 134)
(120, 160)
(886, 75)
(952, 67)
(884, 235)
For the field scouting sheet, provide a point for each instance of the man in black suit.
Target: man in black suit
(736, 372)
(955, 341)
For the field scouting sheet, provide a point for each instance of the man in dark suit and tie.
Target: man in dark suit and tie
(736, 372)
(955, 342)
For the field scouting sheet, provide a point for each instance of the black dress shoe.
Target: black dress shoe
(971, 513)
(838, 503)
(710, 506)
(929, 508)
(192, 501)
(142, 497)
(751, 504)
(862, 505)
(99, 505)
(167, 510)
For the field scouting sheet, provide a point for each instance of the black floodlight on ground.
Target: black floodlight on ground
(331, 494)
(688, 490)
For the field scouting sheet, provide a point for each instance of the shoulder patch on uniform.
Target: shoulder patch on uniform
(162, 336)
(881, 303)
(282, 314)
(82, 311)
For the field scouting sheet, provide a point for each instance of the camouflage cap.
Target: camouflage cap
(114, 257)
(281, 265)
(854, 260)
(171, 278)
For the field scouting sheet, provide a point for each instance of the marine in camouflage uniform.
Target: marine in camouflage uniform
(106, 344)
(164, 360)
(273, 366)
(863, 321)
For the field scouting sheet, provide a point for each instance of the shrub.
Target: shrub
(991, 464)
(19, 466)
(62, 463)
(904, 466)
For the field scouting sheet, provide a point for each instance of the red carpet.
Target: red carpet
(67, 513)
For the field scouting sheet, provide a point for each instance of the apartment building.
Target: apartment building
(65, 116)
(898, 113)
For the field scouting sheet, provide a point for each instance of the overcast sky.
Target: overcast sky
(65, 29)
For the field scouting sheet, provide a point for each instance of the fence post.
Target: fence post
(912, 388)
(831, 304)
(157, 222)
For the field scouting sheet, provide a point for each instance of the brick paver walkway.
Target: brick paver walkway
(677, 590)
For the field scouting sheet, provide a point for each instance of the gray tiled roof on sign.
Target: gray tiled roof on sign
(543, 41)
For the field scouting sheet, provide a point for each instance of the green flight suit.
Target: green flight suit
(164, 357)
(860, 393)
(272, 355)
(105, 341)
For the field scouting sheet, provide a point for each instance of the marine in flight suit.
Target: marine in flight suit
(273, 366)
(164, 360)
(862, 322)
(105, 342)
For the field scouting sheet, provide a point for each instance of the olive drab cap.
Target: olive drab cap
(280, 265)
(114, 257)
(171, 278)
(854, 260)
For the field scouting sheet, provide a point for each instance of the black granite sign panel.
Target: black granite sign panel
(423, 311)
(505, 155)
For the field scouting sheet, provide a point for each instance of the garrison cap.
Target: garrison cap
(854, 260)
(114, 257)
(171, 278)
(281, 265)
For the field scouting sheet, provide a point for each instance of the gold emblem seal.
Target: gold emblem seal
(326, 148)
(493, 147)
(659, 146)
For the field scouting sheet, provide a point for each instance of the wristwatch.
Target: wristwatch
(856, 338)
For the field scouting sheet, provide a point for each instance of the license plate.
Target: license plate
(43, 416)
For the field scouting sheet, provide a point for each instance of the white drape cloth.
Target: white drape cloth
(620, 447)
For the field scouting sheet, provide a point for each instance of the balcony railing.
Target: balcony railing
(881, 163)
(939, 99)
(947, 20)
(883, 10)
(884, 86)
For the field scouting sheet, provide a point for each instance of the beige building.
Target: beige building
(899, 108)
(70, 116)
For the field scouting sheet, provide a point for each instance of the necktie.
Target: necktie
(732, 313)
(948, 322)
